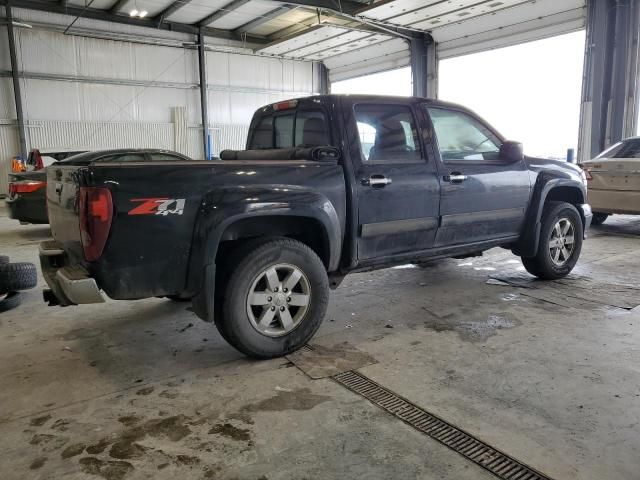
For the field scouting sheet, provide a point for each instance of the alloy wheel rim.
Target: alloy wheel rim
(278, 300)
(562, 242)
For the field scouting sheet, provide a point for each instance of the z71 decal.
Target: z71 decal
(158, 206)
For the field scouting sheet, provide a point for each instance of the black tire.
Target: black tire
(10, 301)
(242, 269)
(542, 265)
(599, 218)
(17, 276)
(4, 259)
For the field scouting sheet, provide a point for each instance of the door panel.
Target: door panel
(401, 216)
(482, 197)
(490, 203)
(398, 192)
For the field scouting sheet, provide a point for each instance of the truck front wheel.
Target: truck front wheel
(560, 243)
(275, 297)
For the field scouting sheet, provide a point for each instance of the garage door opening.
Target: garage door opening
(391, 82)
(530, 92)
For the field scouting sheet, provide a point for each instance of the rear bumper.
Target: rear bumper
(27, 209)
(70, 284)
(615, 201)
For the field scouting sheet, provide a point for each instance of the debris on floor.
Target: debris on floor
(318, 361)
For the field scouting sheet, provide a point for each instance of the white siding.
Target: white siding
(8, 143)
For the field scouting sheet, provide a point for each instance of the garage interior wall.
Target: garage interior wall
(95, 93)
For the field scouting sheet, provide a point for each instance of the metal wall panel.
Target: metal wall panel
(7, 102)
(101, 135)
(5, 61)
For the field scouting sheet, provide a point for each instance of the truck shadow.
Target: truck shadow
(149, 341)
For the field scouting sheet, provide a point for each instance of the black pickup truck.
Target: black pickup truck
(328, 185)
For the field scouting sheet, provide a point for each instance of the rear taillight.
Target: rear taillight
(96, 213)
(587, 172)
(25, 186)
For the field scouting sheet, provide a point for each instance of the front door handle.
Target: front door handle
(376, 181)
(455, 177)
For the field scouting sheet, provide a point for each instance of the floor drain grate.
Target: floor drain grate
(489, 458)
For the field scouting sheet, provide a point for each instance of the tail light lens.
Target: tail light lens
(587, 172)
(25, 186)
(96, 213)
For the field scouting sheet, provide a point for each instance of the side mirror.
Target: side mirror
(511, 152)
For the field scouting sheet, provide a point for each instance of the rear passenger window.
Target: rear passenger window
(311, 129)
(387, 133)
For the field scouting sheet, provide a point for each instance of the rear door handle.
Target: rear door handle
(455, 177)
(376, 181)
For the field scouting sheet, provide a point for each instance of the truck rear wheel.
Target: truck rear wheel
(560, 244)
(275, 297)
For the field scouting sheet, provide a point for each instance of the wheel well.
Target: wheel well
(304, 229)
(570, 195)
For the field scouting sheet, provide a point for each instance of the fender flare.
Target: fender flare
(527, 246)
(222, 208)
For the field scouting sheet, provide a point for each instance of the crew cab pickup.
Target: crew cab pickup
(328, 185)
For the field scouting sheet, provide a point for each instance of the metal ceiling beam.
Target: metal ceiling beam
(346, 6)
(267, 17)
(117, 6)
(221, 12)
(350, 20)
(104, 15)
(171, 9)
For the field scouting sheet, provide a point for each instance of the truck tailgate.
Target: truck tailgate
(62, 204)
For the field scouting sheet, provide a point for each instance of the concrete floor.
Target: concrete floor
(132, 390)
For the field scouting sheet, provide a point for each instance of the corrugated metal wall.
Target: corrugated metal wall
(96, 93)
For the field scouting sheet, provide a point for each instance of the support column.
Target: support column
(424, 66)
(609, 109)
(202, 66)
(16, 83)
(325, 86)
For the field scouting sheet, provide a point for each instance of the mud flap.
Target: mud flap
(203, 301)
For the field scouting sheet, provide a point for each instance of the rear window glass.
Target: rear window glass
(302, 128)
(629, 149)
(263, 134)
(283, 131)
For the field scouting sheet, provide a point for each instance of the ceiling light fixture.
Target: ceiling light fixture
(133, 13)
(143, 14)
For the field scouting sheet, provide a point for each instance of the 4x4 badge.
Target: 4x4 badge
(158, 206)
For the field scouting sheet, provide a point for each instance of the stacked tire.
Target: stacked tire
(13, 278)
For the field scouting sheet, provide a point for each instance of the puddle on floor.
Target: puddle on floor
(476, 330)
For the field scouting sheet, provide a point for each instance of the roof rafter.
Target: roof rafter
(221, 12)
(117, 6)
(104, 15)
(267, 17)
(171, 9)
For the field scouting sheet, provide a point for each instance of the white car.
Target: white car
(614, 180)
